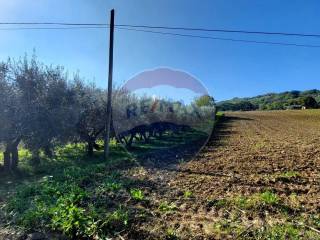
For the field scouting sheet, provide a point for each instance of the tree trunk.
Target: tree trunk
(48, 151)
(35, 161)
(15, 154)
(14, 157)
(6, 159)
(90, 148)
(11, 156)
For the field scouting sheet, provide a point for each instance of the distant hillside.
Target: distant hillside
(273, 101)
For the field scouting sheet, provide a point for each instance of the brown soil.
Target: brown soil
(249, 153)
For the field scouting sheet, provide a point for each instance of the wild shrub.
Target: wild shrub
(72, 219)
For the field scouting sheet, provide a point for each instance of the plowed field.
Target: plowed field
(257, 178)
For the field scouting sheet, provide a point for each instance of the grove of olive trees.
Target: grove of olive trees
(42, 107)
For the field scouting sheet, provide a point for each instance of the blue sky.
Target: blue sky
(227, 69)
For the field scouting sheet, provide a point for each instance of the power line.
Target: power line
(223, 39)
(221, 30)
(165, 28)
(54, 23)
(163, 33)
(53, 28)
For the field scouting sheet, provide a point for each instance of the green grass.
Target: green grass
(280, 232)
(269, 198)
(290, 174)
(250, 202)
(167, 141)
(68, 193)
(284, 231)
(219, 117)
(245, 202)
(282, 227)
(287, 176)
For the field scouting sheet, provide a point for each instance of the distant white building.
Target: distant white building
(296, 107)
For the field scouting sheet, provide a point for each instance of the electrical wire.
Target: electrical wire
(223, 39)
(221, 30)
(166, 28)
(53, 28)
(104, 26)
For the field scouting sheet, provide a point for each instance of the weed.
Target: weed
(187, 194)
(287, 176)
(269, 198)
(171, 234)
(166, 207)
(290, 174)
(279, 232)
(137, 194)
(69, 218)
(217, 203)
(316, 220)
(294, 201)
(110, 185)
(181, 161)
(245, 202)
(225, 227)
(221, 227)
(259, 145)
(118, 219)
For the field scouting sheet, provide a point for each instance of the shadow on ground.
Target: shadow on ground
(170, 157)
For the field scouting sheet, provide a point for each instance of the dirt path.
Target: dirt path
(250, 153)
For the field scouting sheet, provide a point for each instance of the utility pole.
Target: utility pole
(108, 120)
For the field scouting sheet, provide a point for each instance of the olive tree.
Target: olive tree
(48, 106)
(92, 115)
(10, 118)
